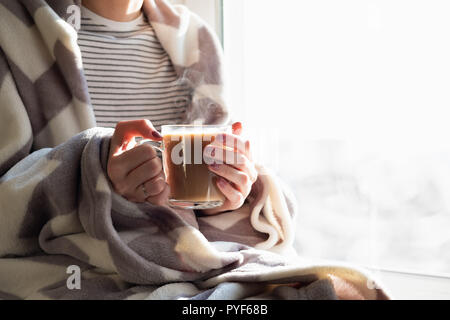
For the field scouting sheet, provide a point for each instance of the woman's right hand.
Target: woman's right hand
(136, 171)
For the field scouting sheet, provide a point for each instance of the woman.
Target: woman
(56, 205)
(119, 44)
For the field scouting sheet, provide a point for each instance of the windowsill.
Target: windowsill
(409, 286)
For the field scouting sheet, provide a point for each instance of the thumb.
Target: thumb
(237, 128)
(127, 130)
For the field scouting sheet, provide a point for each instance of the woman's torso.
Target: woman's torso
(129, 74)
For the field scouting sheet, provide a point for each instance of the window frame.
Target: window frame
(413, 286)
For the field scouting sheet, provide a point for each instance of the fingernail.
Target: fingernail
(237, 126)
(214, 166)
(156, 134)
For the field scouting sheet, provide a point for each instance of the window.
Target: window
(352, 97)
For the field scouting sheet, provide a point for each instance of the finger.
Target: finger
(240, 162)
(160, 199)
(150, 188)
(126, 162)
(127, 130)
(234, 196)
(146, 171)
(240, 179)
(214, 154)
(234, 142)
(155, 186)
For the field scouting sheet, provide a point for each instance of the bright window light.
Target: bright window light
(353, 96)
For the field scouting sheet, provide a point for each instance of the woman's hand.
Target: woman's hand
(232, 162)
(136, 172)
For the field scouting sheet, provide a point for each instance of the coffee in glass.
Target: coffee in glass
(192, 184)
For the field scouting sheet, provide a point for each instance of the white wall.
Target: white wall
(209, 10)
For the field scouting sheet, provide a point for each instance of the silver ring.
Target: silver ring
(144, 190)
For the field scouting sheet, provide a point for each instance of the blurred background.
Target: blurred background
(348, 102)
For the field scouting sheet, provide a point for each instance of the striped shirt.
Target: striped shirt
(129, 74)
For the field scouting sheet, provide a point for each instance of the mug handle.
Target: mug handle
(158, 145)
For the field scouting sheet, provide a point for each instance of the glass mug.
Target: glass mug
(192, 184)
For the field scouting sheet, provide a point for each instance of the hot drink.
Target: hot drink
(192, 184)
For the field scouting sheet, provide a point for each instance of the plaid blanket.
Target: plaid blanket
(65, 233)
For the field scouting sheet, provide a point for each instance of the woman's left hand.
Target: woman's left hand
(231, 161)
